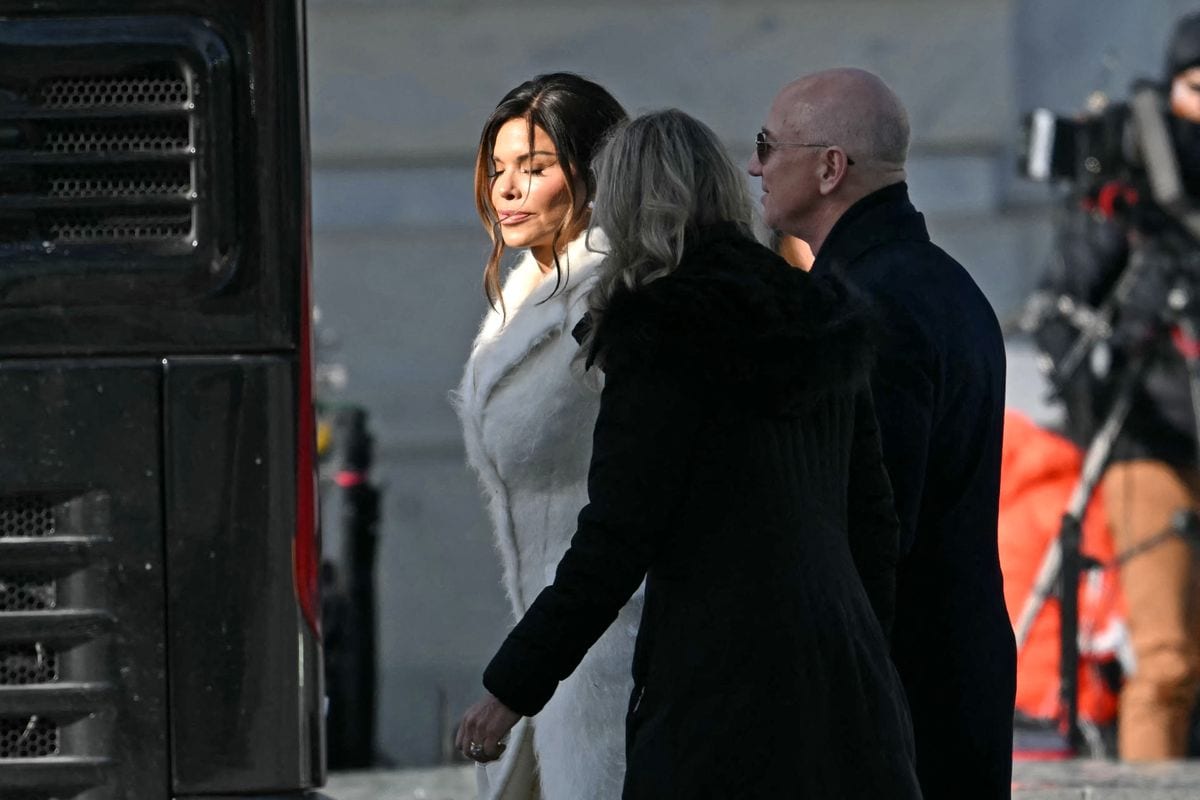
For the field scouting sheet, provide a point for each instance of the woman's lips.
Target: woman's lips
(514, 218)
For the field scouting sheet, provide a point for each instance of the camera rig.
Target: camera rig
(1127, 144)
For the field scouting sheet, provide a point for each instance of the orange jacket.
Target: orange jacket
(1039, 469)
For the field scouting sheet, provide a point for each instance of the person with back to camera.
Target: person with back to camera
(736, 469)
(831, 157)
(1154, 472)
(527, 413)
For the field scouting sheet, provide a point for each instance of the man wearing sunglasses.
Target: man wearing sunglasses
(831, 157)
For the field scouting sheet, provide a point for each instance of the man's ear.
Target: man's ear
(832, 170)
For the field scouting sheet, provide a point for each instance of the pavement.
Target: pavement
(1048, 780)
(437, 783)
(1106, 780)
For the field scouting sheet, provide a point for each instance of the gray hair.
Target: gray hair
(659, 177)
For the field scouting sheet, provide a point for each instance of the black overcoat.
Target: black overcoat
(938, 386)
(736, 468)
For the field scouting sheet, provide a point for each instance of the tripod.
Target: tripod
(1064, 562)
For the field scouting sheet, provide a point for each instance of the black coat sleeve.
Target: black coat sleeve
(641, 451)
(873, 526)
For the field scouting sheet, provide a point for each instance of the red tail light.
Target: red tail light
(307, 549)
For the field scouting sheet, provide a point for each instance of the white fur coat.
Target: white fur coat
(528, 410)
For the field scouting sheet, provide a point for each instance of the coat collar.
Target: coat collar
(736, 316)
(882, 217)
(504, 341)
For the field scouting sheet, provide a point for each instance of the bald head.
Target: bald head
(851, 108)
(830, 139)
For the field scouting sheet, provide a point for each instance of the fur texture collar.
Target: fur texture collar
(534, 310)
(735, 313)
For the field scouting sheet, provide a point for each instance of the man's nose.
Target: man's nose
(754, 167)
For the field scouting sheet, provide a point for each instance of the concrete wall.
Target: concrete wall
(398, 91)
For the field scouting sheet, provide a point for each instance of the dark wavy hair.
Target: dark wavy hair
(576, 114)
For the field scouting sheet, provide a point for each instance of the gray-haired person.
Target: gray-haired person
(735, 468)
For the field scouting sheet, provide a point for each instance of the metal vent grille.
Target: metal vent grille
(104, 161)
(31, 737)
(119, 136)
(23, 593)
(124, 181)
(25, 664)
(114, 228)
(27, 516)
(48, 662)
(158, 87)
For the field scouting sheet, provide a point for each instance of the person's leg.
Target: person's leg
(1161, 591)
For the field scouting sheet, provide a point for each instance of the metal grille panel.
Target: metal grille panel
(26, 664)
(117, 159)
(119, 136)
(132, 181)
(161, 89)
(26, 517)
(112, 228)
(32, 737)
(24, 593)
(125, 137)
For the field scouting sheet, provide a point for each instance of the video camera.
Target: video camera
(1126, 142)
(1084, 149)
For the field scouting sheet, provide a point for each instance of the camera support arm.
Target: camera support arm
(1159, 158)
(1101, 321)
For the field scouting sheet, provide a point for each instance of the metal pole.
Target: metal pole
(1069, 541)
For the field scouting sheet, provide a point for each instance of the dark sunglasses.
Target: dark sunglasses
(763, 145)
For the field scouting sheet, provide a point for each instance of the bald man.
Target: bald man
(831, 157)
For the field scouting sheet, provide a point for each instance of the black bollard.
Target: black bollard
(351, 659)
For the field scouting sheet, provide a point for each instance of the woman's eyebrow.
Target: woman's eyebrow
(530, 155)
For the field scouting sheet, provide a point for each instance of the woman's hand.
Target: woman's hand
(482, 728)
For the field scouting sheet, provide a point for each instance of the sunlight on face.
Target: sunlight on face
(529, 190)
(1185, 95)
(790, 188)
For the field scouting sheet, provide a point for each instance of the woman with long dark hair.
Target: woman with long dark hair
(736, 469)
(528, 409)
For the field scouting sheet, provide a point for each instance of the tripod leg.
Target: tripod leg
(1043, 587)
(1070, 537)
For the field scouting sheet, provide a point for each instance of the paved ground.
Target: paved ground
(443, 783)
(1075, 780)
(1104, 780)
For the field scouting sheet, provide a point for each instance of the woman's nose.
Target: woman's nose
(506, 187)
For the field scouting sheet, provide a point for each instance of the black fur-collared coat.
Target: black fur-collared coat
(736, 468)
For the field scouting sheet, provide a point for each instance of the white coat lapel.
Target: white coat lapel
(503, 344)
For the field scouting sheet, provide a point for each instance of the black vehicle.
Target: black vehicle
(159, 631)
